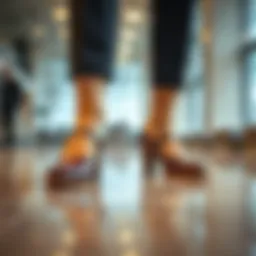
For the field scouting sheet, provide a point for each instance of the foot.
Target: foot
(176, 164)
(77, 163)
(170, 153)
(77, 147)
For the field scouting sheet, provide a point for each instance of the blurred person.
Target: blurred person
(94, 24)
(10, 99)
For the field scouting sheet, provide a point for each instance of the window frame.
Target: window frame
(248, 47)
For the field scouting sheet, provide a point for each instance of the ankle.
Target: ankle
(78, 146)
(88, 124)
(155, 132)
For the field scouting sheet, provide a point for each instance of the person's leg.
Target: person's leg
(8, 126)
(93, 40)
(170, 34)
(170, 40)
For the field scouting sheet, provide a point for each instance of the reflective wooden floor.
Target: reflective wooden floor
(123, 214)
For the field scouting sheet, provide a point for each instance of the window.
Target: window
(250, 19)
(250, 92)
(249, 62)
(194, 77)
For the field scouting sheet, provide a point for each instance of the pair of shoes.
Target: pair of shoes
(84, 169)
(173, 166)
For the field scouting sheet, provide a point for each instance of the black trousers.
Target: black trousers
(8, 120)
(94, 24)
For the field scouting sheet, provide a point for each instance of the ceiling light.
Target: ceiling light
(133, 16)
(61, 13)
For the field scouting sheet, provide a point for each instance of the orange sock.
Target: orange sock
(160, 118)
(89, 114)
(161, 110)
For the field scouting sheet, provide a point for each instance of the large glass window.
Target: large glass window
(250, 92)
(249, 61)
(126, 97)
(250, 19)
(194, 77)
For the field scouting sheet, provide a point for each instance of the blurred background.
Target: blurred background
(35, 42)
(122, 213)
(218, 90)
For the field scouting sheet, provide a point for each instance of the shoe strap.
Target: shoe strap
(86, 132)
(159, 141)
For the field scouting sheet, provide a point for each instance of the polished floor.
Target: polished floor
(122, 214)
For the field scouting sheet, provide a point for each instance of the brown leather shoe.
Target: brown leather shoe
(63, 175)
(174, 167)
(177, 168)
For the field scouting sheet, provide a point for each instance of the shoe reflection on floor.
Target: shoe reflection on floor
(122, 213)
